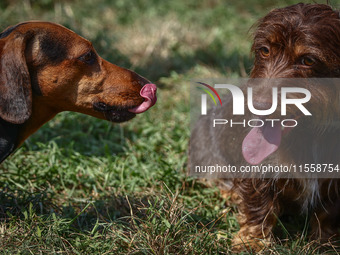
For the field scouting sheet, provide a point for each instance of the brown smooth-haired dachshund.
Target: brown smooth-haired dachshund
(298, 41)
(46, 68)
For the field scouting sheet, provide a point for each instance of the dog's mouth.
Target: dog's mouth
(121, 114)
(112, 113)
(263, 141)
(148, 92)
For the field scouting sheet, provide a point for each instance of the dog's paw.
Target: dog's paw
(246, 243)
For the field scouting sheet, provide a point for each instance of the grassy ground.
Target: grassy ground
(84, 186)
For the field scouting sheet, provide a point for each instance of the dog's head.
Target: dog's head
(64, 72)
(46, 68)
(302, 40)
(299, 41)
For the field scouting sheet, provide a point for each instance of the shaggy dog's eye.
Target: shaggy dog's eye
(88, 58)
(264, 51)
(308, 61)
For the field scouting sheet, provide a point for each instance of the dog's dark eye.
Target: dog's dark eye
(264, 51)
(88, 58)
(307, 61)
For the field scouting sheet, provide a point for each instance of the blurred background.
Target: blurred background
(85, 186)
(157, 37)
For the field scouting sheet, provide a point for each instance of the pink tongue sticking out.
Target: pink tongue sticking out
(148, 92)
(261, 142)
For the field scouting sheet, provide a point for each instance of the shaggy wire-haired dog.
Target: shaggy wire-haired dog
(299, 41)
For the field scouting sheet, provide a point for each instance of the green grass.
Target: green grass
(85, 186)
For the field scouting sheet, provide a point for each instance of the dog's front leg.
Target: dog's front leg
(258, 212)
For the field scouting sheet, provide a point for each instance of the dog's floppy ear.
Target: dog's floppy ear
(15, 85)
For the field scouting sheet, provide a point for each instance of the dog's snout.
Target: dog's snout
(140, 79)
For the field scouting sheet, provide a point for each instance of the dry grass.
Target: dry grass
(84, 186)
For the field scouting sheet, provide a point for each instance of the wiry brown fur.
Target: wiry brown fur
(293, 36)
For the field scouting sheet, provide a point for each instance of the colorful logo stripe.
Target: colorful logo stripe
(213, 90)
(209, 93)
